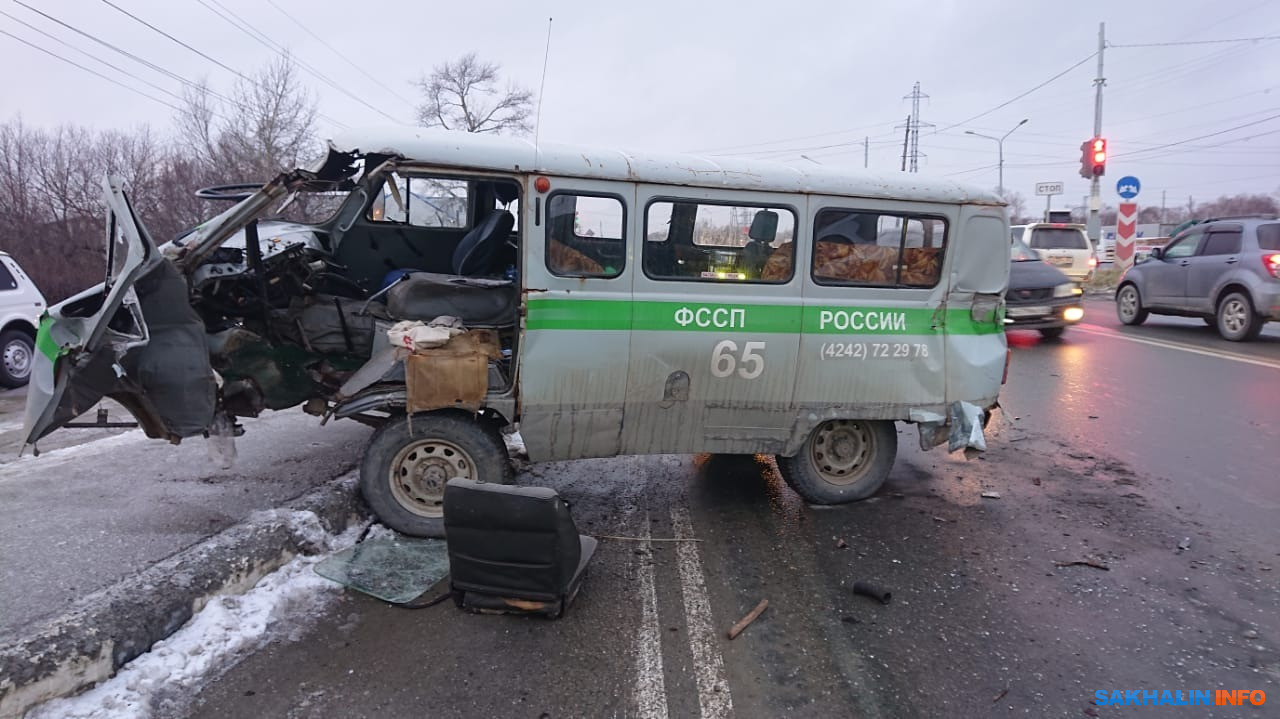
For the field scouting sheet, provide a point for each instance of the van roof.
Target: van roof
(513, 154)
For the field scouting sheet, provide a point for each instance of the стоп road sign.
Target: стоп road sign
(1048, 188)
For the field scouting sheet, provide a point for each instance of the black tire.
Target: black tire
(1235, 319)
(1052, 333)
(18, 353)
(430, 449)
(819, 473)
(1129, 309)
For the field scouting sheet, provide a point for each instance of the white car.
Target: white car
(1065, 246)
(20, 307)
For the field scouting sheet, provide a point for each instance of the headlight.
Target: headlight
(1067, 289)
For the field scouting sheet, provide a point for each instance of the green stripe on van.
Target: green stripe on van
(567, 314)
(44, 342)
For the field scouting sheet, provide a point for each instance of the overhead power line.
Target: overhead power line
(228, 68)
(338, 52)
(91, 70)
(247, 28)
(1198, 137)
(1010, 101)
(1195, 42)
(91, 56)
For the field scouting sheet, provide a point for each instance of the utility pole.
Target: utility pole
(1095, 196)
(906, 139)
(914, 125)
(866, 151)
(1162, 217)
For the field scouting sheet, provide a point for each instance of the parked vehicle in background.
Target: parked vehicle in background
(1063, 245)
(1225, 270)
(1040, 296)
(20, 306)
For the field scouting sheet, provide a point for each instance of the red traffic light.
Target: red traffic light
(1093, 158)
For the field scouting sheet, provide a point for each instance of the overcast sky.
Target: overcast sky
(767, 79)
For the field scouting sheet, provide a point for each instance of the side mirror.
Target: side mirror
(1156, 253)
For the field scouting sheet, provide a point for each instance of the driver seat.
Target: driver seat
(474, 254)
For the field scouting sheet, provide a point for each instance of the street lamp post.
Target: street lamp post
(1000, 144)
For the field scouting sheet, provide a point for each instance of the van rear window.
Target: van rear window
(1269, 237)
(1058, 238)
(867, 248)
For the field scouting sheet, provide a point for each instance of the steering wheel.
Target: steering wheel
(229, 193)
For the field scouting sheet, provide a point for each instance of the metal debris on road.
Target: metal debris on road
(991, 495)
(840, 543)
(1083, 563)
(752, 615)
(1000, 696)
(1184, 545)
(870, 590)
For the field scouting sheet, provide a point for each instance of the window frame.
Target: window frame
(1236, 230)
(897, 284)
(546, 234)
(408, 177)
(644, 238)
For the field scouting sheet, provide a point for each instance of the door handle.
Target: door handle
(1233, 260)
(1184, 263)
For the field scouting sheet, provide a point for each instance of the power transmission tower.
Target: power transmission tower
(913, 129)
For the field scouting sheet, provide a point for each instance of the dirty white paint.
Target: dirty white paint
(650, 689)
(708, 666)
(514, 154)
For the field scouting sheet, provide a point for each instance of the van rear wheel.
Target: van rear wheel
(843, 460)
(409, 461)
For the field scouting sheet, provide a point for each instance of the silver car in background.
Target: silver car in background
(1225, 270)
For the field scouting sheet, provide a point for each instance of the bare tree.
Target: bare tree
(265, 125)
(464, 95)
(1017, 206)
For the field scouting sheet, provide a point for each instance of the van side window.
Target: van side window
(7, 282)
(706, 242)
(868, 248)
(586, 235)
(421, 202)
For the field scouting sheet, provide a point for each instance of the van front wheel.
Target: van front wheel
(843, 460)
(409, 461)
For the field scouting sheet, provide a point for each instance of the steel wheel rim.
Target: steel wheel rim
(841, 451)
(420, 470)
(1234, 316)
(17, 359)
(1129, 302)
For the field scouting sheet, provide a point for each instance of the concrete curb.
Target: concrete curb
(107, 629)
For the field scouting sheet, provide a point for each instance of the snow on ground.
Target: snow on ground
(159, 682)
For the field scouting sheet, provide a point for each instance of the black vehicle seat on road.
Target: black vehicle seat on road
(512, 548)
(474, 254)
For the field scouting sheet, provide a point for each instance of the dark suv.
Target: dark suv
(1224, 270)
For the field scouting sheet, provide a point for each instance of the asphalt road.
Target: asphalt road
(1117, 446)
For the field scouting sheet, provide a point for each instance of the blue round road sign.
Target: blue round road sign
(1128, 187)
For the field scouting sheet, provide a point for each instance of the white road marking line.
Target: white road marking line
(651, 688)
(1103, 332)
(714, 700)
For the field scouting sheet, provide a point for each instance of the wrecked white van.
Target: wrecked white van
(610, 303)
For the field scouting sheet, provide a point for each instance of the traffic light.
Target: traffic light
(1093, 158)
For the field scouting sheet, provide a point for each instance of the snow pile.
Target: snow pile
(280, 606)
